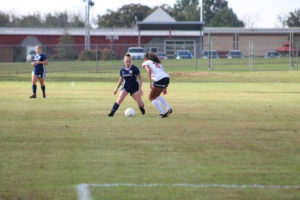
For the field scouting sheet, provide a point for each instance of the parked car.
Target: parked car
(272, 54)
(161, 56)
(210, 54)
(30, 56)
(235, 54)
(181, 54)
(136, 53)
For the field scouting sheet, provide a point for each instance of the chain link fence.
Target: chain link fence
(216, 55)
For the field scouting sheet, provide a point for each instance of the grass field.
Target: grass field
(227, 128)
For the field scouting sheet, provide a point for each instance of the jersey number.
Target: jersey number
(156, 65)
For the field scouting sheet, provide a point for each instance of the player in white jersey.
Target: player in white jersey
(161, 79)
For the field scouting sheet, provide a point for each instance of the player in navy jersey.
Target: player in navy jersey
(128, 76)
(39, 71)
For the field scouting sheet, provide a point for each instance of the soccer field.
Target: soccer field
(231, 136)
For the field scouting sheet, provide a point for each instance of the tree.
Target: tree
(126, 16)
(225, 18)
(34, 20)
(186, 10)
(211, 7)
(4, 19)
(60, 19)
(76, 21)
(215, 12)
(65, 49)
(293, 19)
(56, 20)
(191, 10)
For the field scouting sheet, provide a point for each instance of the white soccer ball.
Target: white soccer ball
(129, 112)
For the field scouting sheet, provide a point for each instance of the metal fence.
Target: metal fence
(214, 56)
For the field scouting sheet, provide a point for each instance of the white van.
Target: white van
(30, 53)
(136, 53)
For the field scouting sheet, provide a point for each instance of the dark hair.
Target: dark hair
(127, 55)
(152, 56)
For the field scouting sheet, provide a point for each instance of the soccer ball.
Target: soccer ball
(129, 112)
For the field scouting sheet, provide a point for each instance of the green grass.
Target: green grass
(227, 128)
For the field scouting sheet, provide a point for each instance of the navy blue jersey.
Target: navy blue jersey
(41, 57)
(129, 75)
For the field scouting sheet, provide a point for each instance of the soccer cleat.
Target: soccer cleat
(33, 96)
(170, 111)
(163, 115)
(111, 114)
(142, 110)
(44, 96)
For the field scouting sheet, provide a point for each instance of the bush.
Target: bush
(87, 55)
(108, 54)
(103, 54)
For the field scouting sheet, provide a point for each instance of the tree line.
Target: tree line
(216, 13)
(59, 19)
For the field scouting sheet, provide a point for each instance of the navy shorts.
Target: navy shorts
(132, 88)
(40, 72)
(162, 83)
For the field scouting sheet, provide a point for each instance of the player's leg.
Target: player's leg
(138, 98)
(165, 104)
(116, 105)
(34, 79)
(43, 87)
(154, 93)
(163, 83)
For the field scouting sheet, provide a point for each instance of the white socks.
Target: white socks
(157, 105)
(159, 100)
(163, 102)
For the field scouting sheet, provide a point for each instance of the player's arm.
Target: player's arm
(44, 62)
(147, 68)
(119, 84)
(165, 91)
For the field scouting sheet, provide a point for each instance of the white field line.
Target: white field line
(83, 191)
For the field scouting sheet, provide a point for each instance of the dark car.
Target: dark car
(235, 54)
(210, 54)
(272, 54)
(183, 54)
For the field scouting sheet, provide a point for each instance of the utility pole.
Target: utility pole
(201, 31)
(201, 10)
(87, 42)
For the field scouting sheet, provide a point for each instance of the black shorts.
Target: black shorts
(40, 72)
(132, 88)
(162, 83)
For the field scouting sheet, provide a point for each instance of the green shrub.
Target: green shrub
(103, 54)
(87, 55)
(108, 54)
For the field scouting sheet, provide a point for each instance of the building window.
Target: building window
(172, 46)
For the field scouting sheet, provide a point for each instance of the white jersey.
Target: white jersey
(157, 70)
